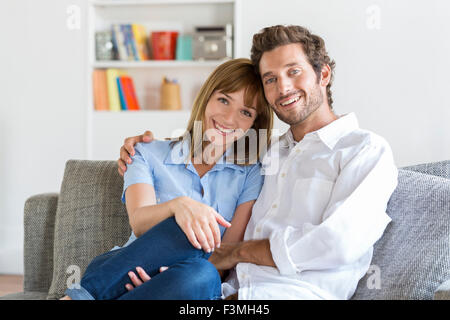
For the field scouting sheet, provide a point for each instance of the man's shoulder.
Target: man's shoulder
(360, 138)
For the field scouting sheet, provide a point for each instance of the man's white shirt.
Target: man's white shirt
(323, 207)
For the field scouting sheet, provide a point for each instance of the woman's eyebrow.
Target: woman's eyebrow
(227, 96)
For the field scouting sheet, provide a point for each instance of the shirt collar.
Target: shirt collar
(333, 132)
(180, 150)
(329, 135)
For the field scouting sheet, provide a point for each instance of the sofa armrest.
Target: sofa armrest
(39, 224)
(443, 291)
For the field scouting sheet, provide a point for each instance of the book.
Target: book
(101, 101)
(131, 42)
(113, 90)
(123, 102)
(140, 38)
(118, 38)
(129, 94)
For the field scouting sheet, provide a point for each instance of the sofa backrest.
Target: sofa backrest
(90, 219)
(412, 258)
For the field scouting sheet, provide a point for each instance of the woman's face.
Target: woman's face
(227, 118)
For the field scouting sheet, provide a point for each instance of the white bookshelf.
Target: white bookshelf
(106, 130)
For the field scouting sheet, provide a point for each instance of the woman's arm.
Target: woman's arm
(143, 212)
(198, 221)
(235, 233)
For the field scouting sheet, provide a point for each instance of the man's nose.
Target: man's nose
(284, 86)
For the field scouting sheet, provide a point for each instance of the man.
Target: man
(315, 222)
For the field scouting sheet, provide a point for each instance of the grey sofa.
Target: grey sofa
(64, 231)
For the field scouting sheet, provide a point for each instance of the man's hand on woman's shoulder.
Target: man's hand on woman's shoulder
(127, 150)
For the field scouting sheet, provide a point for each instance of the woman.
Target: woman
(180, 196)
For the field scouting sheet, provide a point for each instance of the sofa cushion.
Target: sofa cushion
(440, 168)
(412, 258)
(90, 220)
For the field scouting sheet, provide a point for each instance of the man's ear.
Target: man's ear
(325, 75)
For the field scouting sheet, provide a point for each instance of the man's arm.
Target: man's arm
(251, 251)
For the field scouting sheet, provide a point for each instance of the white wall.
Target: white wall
(41, 110)
(394, 78)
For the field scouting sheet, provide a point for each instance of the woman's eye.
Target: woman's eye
(247, 113)
(295, 71)
(223, 100)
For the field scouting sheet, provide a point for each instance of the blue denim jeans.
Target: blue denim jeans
(190, 275)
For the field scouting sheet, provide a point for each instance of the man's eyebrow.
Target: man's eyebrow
(291, 64)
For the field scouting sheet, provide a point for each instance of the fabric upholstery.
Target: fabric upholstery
(90, 219)
(413, 256)
(39, 222)
(28, 295)
(440, 169)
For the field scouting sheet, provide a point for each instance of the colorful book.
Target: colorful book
(129, 94)
(101, 101)
(140, 38)
(123, 103)
(119, 42)
(131, 42)
(113, 90)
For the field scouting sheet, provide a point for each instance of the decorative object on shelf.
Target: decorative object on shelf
(104, 45)
(213, 42)
(184, 47)
(164, 44)
(170, 95)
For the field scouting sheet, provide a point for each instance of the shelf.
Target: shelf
(156, 64)
(111, 3)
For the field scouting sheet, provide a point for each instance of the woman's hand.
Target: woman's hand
(199, 222)
(127, 150)
(140, 278)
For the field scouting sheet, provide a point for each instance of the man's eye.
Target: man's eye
(269, 81)
(295, 71)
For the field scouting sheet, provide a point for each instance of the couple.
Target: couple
(305, 231)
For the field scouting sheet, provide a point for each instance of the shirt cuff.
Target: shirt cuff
(280, 253)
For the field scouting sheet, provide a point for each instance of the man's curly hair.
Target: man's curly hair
(314, 47)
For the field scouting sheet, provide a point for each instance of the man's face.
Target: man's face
(290, 83)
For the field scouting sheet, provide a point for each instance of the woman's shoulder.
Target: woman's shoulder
(156, 148)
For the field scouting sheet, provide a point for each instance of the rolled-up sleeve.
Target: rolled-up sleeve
(354, 219)
(252, 186)
(139, 171)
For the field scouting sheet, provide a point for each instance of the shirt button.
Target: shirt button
(274, 206)
(298, 150)
(283, 175)
(258, 229)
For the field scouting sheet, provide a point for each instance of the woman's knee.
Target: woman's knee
(204, 279)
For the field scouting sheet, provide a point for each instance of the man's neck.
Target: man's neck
(318, 119)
